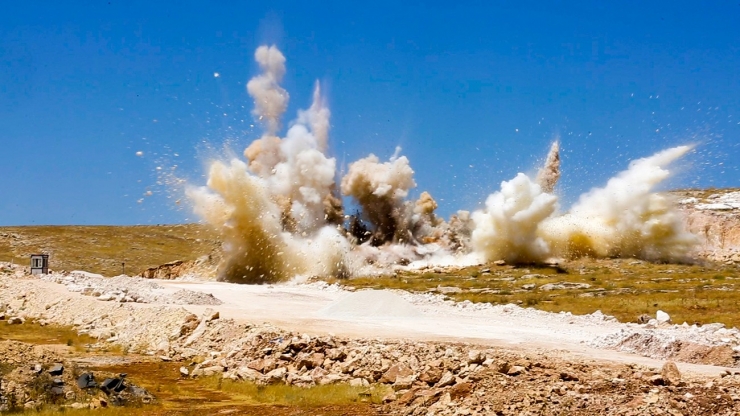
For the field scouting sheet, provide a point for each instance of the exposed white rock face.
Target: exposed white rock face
(715, 219)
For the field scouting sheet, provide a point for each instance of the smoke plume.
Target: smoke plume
(381, 190)
(280, 213)
(625, 218)
(508, 228)
(239, 206)
(270, 99)
(275, 212)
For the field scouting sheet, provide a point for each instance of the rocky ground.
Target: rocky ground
(124, 288)
(33, 376)
(414, 376)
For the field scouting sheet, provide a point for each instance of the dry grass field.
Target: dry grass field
(102, 249)
(624, 288)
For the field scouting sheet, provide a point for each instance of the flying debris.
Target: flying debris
(549, 174)
(280, 214)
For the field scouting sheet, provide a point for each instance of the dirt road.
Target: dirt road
(318, 309)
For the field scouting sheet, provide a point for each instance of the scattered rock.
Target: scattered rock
(567, 376)
(390, 397)
(533, 276)
(670, 374)
(211, 315)
(86, 381)
(657, 380)
(396, 370)
(563, 286)
(431, 375)
(476, 357)
(56, 370)
(448, 290)
(516, 370)
(447, 379)
(644, 318)
(662, 317)
(16, 320)
(112, 385)
(276, 375)
(460, 390)
(404, 382)
(37, 368)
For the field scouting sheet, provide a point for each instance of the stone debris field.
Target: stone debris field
(428, 354)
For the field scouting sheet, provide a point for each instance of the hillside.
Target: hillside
(102, 249)
(711, 214)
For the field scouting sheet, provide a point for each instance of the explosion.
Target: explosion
(280, 212)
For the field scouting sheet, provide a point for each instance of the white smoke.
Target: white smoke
(298, 173)
(317, 116)
(280, 212)
(305, 176)
(625, 218)
(274, 220)
(238, 205)
(507, 229)
(270, 99)
(381, 190)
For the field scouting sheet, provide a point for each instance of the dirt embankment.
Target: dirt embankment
(203, 266)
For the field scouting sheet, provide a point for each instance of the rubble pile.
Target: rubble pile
(11, 270)
(422, 378)
(415, 377)
(127, 289)
(34, 376)
(707, 344)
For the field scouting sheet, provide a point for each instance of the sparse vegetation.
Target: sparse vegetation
(625, 288)
(34, 333)
(103, 249)
(331, 394)
(176, 394)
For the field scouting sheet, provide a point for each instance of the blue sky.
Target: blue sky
(473, 91)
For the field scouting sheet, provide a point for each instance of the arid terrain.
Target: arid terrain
(103, 249)
(583, 336)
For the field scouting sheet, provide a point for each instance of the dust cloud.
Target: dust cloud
(280, 210)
